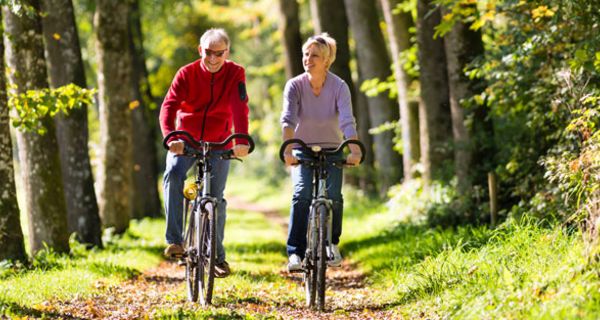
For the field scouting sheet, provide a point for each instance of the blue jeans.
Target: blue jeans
(302, 177)
(173, 180)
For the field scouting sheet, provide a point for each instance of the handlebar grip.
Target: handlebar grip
(304, 146)
(189, 137)
(360, 145)
(197, 145)
(288, 142)
(246, 137)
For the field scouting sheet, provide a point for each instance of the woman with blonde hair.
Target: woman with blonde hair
(317, 108)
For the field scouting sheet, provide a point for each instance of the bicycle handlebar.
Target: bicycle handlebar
(199, 144)
(305, 147)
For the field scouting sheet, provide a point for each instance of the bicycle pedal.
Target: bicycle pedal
(177, 256)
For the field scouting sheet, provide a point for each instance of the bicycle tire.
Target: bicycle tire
(322, 214)
(310, 271)
(192, 272)
(209, 247)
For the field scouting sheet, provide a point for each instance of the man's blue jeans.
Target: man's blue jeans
(302, 177)
(173, 181)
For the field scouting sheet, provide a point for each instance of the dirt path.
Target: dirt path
(160, 288)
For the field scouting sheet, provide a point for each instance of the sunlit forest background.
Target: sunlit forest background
(474, 113)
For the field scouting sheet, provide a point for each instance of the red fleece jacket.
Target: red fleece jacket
(207, 105)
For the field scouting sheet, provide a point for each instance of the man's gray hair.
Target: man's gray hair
(212, 36)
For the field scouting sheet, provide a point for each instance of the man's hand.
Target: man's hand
(176, 146)
(240, 150)
(290, 160)
(353, 159)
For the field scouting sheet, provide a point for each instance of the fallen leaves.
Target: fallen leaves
(163, 288)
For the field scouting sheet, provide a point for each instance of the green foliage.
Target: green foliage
(18, 7)
(576, 174)
(374, 87)
(47, 259)
(33, 106)
(541, 78)
(438, 204)
(522, 269)
(465, 11)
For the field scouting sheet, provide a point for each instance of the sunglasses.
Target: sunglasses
(217, 54)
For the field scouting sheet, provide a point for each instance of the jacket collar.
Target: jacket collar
(217, 75)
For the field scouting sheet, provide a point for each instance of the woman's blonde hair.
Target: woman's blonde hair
(325, 44)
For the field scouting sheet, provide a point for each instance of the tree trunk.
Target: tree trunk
(415, 139)
(398, 26)
(462, 45)
(335, 22)
(363, 124)
(11, 234)
(374, 62)
(289, 25)
(434, 109)
(114, 83)
(38, 154)
(66, 66)
(145, 200)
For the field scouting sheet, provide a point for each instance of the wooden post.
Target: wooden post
(493, 198)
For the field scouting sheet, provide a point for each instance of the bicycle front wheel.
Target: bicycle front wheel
(322, 214)
(310, 260)
(208, 240)
(192, 247)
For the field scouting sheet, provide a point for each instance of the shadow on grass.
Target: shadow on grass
(10, 310)
(408, 244)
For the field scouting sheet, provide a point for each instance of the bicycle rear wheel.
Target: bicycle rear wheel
(310, 261)
(206, 264)
(192, 241)
(321, 267)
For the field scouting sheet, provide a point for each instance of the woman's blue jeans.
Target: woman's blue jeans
(173, 181)
(302, 179)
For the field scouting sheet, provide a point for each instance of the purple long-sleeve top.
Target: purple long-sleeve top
(322, 120)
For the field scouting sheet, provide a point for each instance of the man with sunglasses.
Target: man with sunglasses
(208, 99)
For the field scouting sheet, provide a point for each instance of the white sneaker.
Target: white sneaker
(294, 263)
(337, 256)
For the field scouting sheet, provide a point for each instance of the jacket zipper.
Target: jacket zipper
(212, 82)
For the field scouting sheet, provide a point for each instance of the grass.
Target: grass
(272, 194)
(520, 270)
(62, 277)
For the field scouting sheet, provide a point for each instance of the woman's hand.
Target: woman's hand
(290, 160)
(353, 159)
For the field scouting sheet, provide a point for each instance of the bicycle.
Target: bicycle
(318, 233)
(200, 217)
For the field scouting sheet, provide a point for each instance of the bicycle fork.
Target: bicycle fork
(328, 203)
